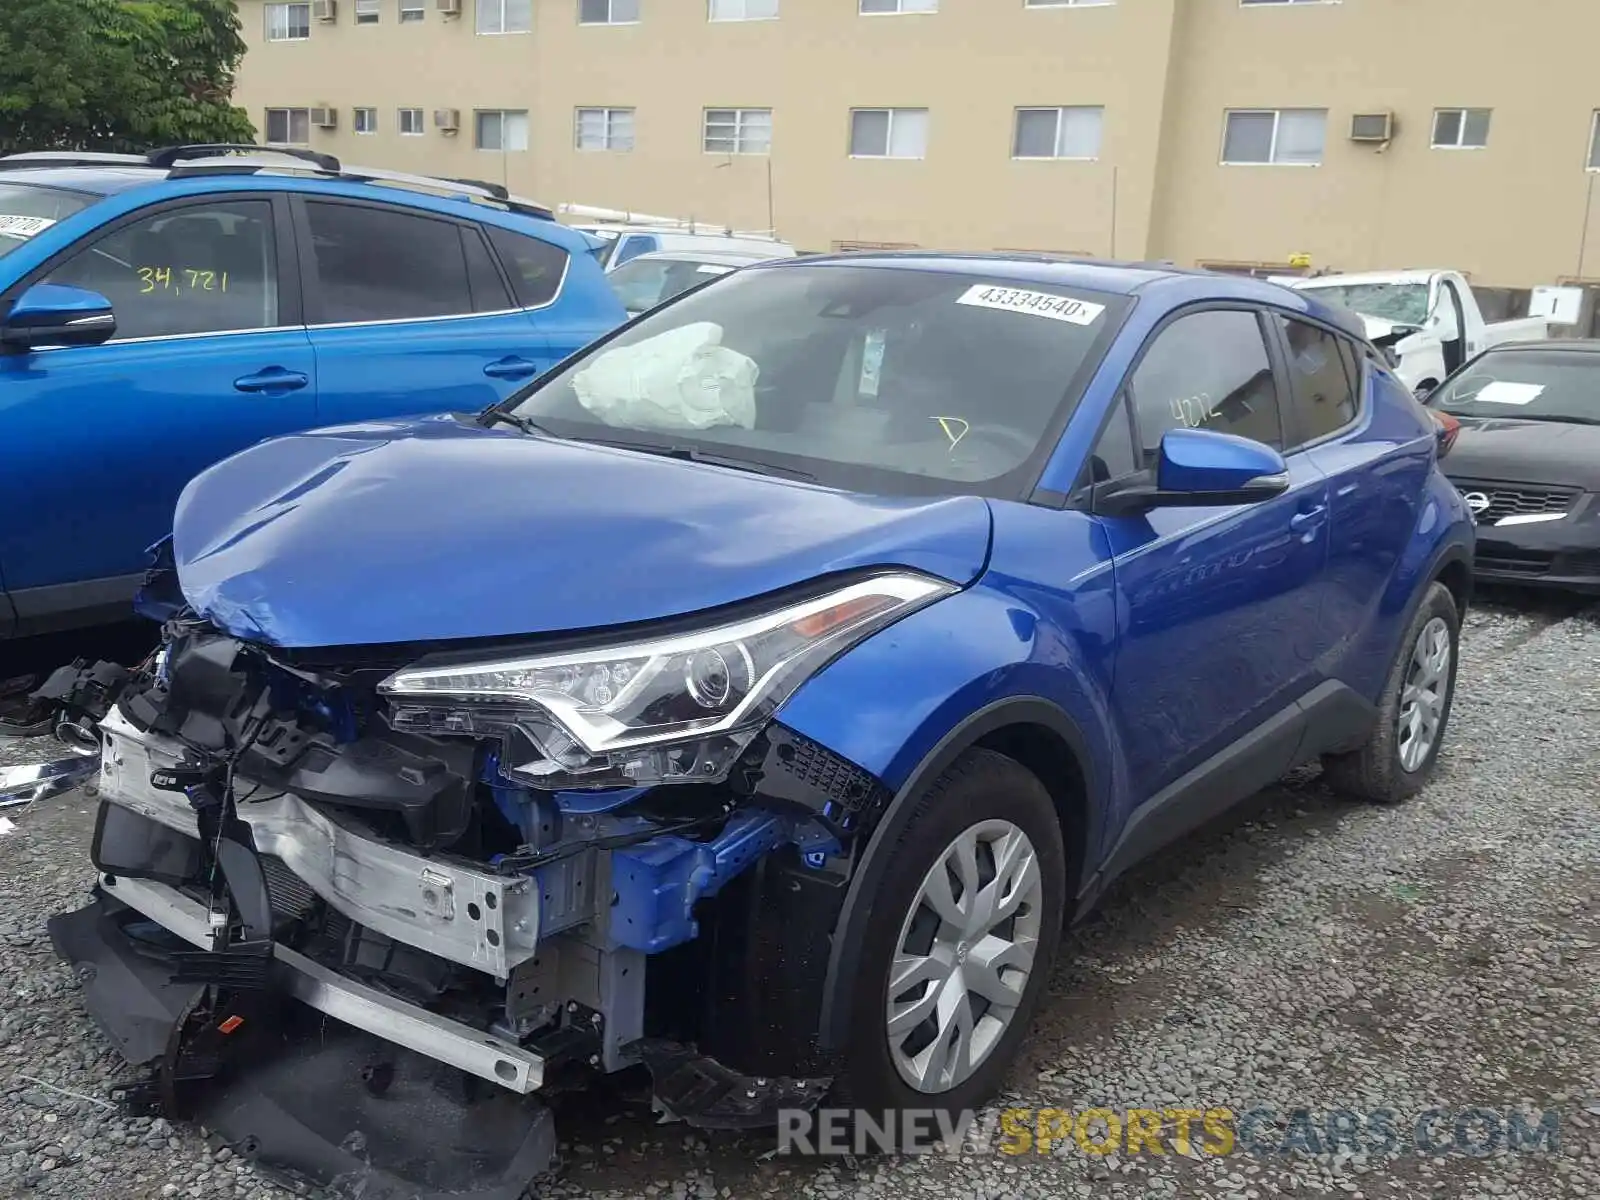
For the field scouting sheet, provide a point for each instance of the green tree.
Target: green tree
(118, 74)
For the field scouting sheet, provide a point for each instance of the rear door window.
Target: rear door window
(201, 268)
(1320, 388)
(369, 263)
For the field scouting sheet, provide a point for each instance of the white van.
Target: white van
(628, 235)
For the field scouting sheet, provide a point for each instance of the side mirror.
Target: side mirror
(55, 314)
(1199, 468)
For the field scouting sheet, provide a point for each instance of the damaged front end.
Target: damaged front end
(495, 870)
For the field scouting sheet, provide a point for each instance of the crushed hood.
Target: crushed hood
(440, 529)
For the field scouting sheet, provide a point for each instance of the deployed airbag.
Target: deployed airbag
(682, 379)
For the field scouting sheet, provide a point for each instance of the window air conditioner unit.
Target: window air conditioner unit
(325, 118)
(325, 11)
(450, 8)
(447, 120)
(1372, 127)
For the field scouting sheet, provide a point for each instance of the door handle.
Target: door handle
(1310, 519)
(271, 379)
(511, 367)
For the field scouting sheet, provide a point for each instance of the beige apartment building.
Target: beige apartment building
(1350, 134)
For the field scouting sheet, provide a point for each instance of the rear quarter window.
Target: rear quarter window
(535, 266)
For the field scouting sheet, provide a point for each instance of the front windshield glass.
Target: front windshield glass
(646, 282)
(874, 378)
(1546, 386)
(1402, 303)
(26, 210)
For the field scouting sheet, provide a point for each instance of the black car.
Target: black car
(1527, 460)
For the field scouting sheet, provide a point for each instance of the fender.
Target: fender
(844, 958)
(1427, 559)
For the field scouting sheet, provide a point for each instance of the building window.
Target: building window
(413, 122)
(288, 126)
(1067, 3)
(885, 8)
(502, 130)
(1058, 132)
(412, 10)
(1248, 3)
(888, 132)
(368, 11)
(738, 131)
(288, 22)
(743, 10)
(505, 16)
(1289, 137)
(1460, 128)
(608, 12)
(365, 120)
(604, 129)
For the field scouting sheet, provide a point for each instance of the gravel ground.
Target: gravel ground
(1311, 954)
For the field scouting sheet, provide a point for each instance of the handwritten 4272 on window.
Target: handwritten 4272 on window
(165, 279)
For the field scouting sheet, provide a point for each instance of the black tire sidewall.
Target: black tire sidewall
(980, 786)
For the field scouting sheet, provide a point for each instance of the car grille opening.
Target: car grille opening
(1516, 500)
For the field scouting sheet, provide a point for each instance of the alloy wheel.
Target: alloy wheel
(964, 956)
(1424, 692)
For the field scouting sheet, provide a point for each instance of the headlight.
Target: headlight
(676, 709)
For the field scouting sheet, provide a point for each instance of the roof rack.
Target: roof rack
(620, 216)
(169, 157)
(239, 158)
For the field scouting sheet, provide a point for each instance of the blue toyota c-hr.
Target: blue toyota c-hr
(758, 694)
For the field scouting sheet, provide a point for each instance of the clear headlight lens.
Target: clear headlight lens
(657, 710)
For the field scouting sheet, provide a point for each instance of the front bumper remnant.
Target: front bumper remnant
(313, 1102)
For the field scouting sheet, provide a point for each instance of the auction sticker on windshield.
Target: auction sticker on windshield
(1038, 304)
(23, 227)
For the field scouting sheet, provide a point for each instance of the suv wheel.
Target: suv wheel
(1401, 751)
(961, 938)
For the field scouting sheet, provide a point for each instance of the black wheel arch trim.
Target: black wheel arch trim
(850, 931)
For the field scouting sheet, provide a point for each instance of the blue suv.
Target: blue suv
(754, 698)
(158, 313)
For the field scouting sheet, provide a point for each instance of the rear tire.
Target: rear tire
(1401, 752)
(990, 819)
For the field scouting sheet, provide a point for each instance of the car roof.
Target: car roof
(96, 181)
(734, 258)
(1568, 345)
(105, 173)
(1163, 282)
(1410, 275)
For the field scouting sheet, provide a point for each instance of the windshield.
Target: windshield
(871, 378)
(1402, 303)
(1547, 386)
(646, 282)
(26, 211)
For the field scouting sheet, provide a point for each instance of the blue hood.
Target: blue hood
(440, 529)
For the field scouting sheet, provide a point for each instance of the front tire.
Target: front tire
(963, 931)
(1402, 750)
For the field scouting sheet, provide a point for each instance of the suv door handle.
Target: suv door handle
(1310, 520)
(271, 379)
(511, 367)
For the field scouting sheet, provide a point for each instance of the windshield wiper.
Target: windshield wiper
(500, 415)
(695, 454)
